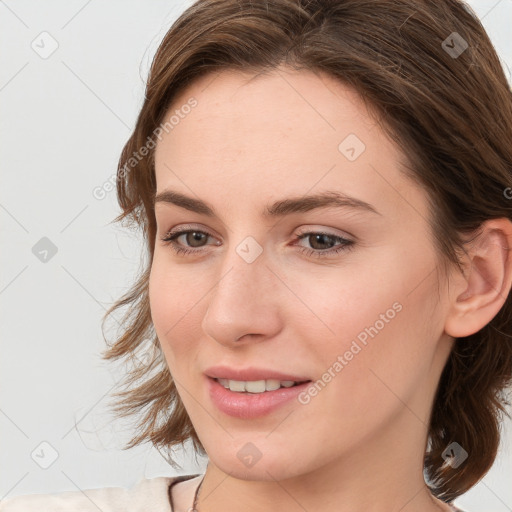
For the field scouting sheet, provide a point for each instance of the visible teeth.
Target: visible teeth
(236, 385)
(255, 386)
(224, 382)
(271, 384)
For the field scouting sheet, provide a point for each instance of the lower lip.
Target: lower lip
(251, 405)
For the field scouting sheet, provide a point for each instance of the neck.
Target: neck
(374, 476)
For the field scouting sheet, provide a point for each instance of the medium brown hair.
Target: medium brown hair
(451, 115)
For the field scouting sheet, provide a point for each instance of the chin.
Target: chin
(261, 471)
(259, 460)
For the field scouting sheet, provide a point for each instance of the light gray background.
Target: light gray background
(64, 120)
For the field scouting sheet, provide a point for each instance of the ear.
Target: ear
(477, 296)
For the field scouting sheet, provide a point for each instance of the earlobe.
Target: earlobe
(479, 295)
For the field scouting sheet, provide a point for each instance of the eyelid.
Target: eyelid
(302, 231)
(188, 227)
(326, 231)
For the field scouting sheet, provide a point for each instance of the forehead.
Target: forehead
(278, 101)
(287, 130)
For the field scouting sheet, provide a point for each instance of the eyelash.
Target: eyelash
(346, 245)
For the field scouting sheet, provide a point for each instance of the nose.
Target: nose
(246, 303)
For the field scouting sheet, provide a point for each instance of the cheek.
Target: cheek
(383, 345)
(352, 326)
(385, 315)
(175, 300)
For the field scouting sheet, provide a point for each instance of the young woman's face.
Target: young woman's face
(344, 295)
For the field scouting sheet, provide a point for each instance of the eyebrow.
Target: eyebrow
(279, 208)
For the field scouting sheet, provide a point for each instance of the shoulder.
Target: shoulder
(146, 494)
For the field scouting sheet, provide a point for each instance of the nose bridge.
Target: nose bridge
(244, 269)
(245, 277)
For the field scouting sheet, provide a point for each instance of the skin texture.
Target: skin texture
(359, 444)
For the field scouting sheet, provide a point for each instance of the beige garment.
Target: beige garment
(147, 495)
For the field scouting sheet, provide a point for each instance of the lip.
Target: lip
(251, 405)
(225, 372)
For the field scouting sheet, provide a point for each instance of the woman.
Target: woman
(324, 190)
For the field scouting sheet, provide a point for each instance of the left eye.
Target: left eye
(195, 239)
(325, 238)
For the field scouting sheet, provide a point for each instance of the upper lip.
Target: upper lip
(250, 374)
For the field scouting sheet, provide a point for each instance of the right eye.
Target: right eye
(190, 236)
